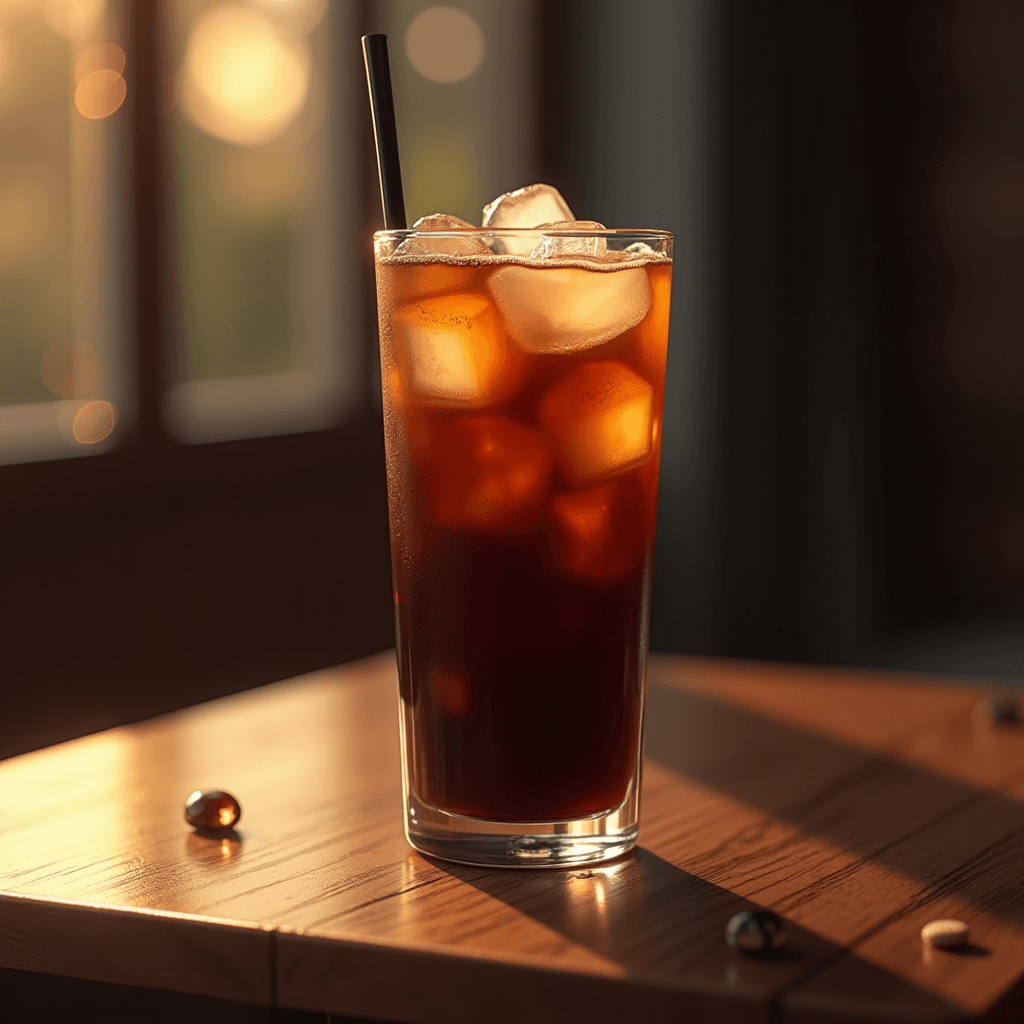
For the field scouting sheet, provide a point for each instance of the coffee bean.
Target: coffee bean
(755, 931)
(212, 811)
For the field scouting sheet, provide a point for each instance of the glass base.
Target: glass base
(532, 844)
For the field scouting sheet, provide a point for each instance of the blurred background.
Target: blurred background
(191, 462)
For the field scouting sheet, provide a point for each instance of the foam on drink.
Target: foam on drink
(525, 208)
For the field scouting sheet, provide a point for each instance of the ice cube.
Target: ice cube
(442, 246)
(566, 309)
(451, 350)
(639, 251)
(559, 247)
(489, 473)
(526, 208)
(598, 419)
(598, 534)
(442, 222)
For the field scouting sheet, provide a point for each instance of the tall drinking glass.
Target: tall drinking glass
(522, 415)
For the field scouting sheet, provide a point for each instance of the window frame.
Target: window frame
(109, 557)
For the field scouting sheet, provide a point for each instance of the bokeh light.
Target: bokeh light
(100, 94)
(244, 80)
(74, 19)
(444, 44)
(94, 422)
(300, 16)
(102, 56)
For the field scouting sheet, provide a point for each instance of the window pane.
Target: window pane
(243, 145)
(35, 208)
(62, 86)
(256, 182)
(464, 77)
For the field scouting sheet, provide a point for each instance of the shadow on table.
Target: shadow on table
(650, 917)
(646, 915)
(883, 810)
(667, 927)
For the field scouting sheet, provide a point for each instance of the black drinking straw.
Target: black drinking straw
(385, 134)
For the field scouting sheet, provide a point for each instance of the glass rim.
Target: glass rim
(403, 233)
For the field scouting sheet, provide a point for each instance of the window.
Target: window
(186, 293)
(62, 93)
(264, 166)
(232, 528)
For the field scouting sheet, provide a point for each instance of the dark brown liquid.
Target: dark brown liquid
(520, 658)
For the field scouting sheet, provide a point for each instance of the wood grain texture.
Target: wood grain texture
(656, 930)
(968, 866)
(855, 805)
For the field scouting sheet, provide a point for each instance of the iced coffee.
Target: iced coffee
(523, 373)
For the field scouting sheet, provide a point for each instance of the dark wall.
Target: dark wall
(843, 452)
(721, 122)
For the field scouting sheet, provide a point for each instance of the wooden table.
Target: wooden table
(856, 805)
